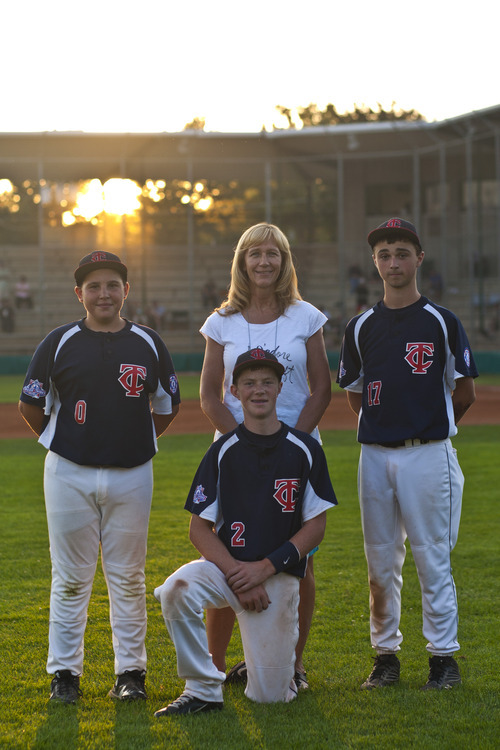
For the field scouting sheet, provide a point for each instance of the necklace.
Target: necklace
(275, 333)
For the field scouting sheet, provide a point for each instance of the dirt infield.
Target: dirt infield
(338, 416)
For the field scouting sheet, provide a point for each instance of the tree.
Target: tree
(197, 123)
(312, 115)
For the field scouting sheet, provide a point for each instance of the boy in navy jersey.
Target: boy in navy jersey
(98, 392)
(408, 371)
(264, 489)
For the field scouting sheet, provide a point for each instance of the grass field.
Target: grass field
(334, 713)
(10, 386)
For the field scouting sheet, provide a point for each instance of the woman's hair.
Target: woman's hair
(286, 289)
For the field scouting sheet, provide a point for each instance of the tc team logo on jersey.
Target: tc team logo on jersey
(286, 493)
(129, 379)
(419, 356)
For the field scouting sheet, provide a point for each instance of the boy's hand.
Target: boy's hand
(245, 575)
(255, 600)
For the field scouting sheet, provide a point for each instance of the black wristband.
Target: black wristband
(286, 556)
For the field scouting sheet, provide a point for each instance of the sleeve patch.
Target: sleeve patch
(199, 495)
(34, 389)
(174, 384)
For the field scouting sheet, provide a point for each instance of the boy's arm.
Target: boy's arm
(201, 534)
(354, 399)
(463, 397)
(162, 421)
(310, 535)
(33, 415)
(244, 576)
(208, 543)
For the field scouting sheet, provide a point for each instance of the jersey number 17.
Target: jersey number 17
(374, 389)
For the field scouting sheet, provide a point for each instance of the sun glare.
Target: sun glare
(121, 196)
(6, 186)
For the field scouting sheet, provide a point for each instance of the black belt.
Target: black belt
(404, 443)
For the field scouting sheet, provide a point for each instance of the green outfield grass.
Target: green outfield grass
(10, 385)
(334, 713)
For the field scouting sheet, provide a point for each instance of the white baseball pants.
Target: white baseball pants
(87, 508)
(268, 637)
(413, 492)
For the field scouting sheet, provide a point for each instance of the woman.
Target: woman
(264, 309)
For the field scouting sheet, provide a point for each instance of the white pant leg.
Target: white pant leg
(269, 639)
(73, 521)
(384, 542)
(431, 501)
(125, 502)
(184, 596)
(87, 506)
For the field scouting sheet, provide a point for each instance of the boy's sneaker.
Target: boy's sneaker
(129, 686)
(237, 674)
(65, 687)
(188, 704)
(300, 679)
(385, 672)
(443, 673)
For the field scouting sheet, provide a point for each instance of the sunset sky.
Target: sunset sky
(126, 66)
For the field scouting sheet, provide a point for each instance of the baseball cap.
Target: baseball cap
(393, 227)
(99, 259)
(257, 358)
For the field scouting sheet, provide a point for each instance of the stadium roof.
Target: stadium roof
(67, 155)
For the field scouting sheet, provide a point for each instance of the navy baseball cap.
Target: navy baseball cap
(393, 227)
(99, 259)
(257, 358)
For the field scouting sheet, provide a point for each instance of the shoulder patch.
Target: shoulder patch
(34, 389)
(174, 384)
(467, 357)
(199, 495)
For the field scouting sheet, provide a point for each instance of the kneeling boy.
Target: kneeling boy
(258, 504)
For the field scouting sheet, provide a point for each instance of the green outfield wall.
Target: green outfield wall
(488, 363)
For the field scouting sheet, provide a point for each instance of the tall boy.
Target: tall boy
(98, 392)
(408, 370)
(264, 490)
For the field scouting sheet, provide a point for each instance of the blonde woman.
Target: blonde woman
(264, 309)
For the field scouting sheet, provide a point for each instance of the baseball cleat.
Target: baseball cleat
(300, 679)
(237, 674)
(385, 672)
(65, 687)
(129, 686)
(443, 673)
(188, 704)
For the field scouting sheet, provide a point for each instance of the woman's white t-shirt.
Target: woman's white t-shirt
(285, 337)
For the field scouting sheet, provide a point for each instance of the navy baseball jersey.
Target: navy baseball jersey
(97, 390)
(258, 490)
(405, 362)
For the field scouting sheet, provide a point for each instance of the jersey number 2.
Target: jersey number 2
(237, 540)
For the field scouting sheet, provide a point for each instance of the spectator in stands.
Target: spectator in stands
(4, 282)
(362, 295)
(209, 296)
(23, 293)
(7, 316)
(435, 285)
(156, 313)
